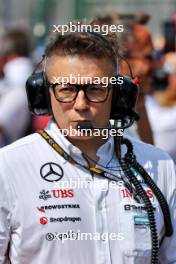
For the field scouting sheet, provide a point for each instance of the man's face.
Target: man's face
(140, 50)
(141, 66)
(68, 115)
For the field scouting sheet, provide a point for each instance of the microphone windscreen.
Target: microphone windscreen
(84, 125)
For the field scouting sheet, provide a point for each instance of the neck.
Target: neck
(89, 147)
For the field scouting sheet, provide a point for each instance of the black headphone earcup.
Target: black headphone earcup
(38, 94)
(124, 99)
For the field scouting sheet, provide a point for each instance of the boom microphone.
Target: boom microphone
(88, 125)
(117, 125)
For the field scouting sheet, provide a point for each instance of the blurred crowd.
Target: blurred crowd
(155, 67)
(15, 67)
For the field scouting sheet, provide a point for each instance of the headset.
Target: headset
(124, 95)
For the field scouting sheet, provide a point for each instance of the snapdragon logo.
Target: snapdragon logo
(80, 27)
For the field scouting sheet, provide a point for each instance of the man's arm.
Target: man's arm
(168, 248)
(143, 125)
(14, 114)
(5, 219)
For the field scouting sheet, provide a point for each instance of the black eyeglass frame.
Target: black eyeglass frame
(80, 87)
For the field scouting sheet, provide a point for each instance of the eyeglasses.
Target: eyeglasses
(67, 93)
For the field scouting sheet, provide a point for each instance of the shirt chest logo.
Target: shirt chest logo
(51, 172)
(56, 193)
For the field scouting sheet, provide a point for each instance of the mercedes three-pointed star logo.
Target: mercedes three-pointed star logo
(51, 172)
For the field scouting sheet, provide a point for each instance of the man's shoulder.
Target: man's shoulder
(148, 151)
(21, 145)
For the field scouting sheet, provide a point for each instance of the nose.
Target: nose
(81, 103)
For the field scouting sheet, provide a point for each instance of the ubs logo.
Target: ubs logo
(57, 193)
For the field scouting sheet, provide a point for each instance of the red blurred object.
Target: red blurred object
(40, 122)
(136, 80)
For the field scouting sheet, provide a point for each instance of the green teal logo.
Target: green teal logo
(141, 220)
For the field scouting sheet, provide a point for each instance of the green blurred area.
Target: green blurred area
(38, 16)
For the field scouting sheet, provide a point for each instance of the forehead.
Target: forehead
(78, 65)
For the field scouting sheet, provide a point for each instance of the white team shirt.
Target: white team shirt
(38, 212)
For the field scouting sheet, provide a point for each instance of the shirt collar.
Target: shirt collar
(104, 153)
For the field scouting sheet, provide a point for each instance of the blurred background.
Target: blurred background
(24, 27)
(38, 16)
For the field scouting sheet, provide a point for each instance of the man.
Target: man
(136, 46)
(139, 55)
(152, 103)
(42, 220)
(13, 104)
